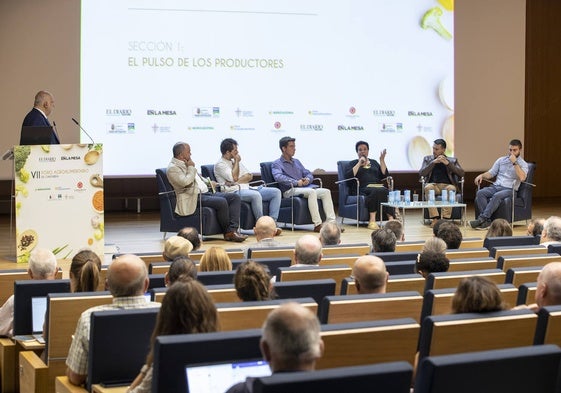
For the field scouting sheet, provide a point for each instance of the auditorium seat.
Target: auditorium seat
(172, 222)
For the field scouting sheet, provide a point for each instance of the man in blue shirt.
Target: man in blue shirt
(510, 171)
(294, 179)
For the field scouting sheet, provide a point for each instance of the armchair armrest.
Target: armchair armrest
(389, 180)
(259, 182)
(318, 180)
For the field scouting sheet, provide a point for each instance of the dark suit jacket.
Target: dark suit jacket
(453, 168)
(36, 119)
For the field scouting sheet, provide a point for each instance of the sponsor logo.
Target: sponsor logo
(277, 125)
(161, 129)
(421, 114)
(311, 127)
(130, 127)
(318, 113)
(200, 128)
(240, 128)
(80, 185)
(350, 128)
(119, 128)
(423, 128)
(243, 113)
(391, 127)
(70, 158)
(47, 159)
(153, 112)
(384, 112)
(352, 110)
(118, 112)
(282, 113)
(210, 111)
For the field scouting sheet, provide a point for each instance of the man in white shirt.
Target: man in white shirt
(234, 175)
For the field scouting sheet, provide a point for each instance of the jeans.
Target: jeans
(489, 198)
(256, 198)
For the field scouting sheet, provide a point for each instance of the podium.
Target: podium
(58, 199)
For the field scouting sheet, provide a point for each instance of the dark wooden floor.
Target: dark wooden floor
(129, 232)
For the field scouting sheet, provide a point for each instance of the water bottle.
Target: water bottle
(444, 196)
(431, 197)
(452, 196)
(407, 195)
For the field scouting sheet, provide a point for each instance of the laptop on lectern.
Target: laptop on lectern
(36, 135)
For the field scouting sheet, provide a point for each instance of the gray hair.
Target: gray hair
(42, 263)
(307, 250)
(552, 228)
(126, 276)
(330, 234)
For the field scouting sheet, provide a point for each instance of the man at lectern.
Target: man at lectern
(38, 116)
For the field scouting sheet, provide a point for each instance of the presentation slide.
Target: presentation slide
(328, 73)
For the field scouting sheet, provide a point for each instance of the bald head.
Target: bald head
(307, 250)
(127, 276)
(44, 101)
(291, 338)
(265, 227)
(370, 275)
(548, 291)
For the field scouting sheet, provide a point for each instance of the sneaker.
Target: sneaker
(476, 223)
(484, 226)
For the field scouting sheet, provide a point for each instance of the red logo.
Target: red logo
(277, 125)
(80, 184)
(352, 110)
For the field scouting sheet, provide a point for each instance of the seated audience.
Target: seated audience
(383, 240)
(498, 228)
(187, 308)
(435, 244)
(535, 227)
(291, 342)
(176, 246)
(252, 282)
(192, 235)
(42, 266)
(370, 275)
(397, 228)
(127, 279)
(548, 290)
(265, 230)
(431, 262)
(180, 269)
(436, 226)
(307, 251)
(84, 271)
(477, 294)
(215, 259)
(330, 234)
(451, 234)
(551, 233)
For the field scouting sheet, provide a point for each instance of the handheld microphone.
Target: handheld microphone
(56, 132)
(85, 132)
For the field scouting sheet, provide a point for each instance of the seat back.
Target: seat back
(342, 249)
(491, 242)
(356, 308)
(273, 252)
(267, 174)
(521, 275)
(316, 289)
(513, 370)
(500, 251)
(386, 377)
(396, 256)
(118, 359)
(398, 283)
(7, 279)
(233, 253)
(335, 272)
(225, 293)
(371, 342)
(216, 278)
(527, 293)
(548, 330)
(463, 264)
(251, 315)
(530, 260)
(467, 253)
(457, 333)
(207, 171)
(452, 279)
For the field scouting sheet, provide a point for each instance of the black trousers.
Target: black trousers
(227, 206)
(374, 196)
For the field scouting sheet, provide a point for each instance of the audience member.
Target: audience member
(189, 187)
(294, 179)
(397, 228)
(235, 177)
(265, 230)
(477, 294)
(451, 234)
(252, 282)
(42, 266)
(548, 290)
(215, 259)
(176, 246)
(510, 171)
(330, 234)
(127, 279)
(192, 235)
(436, 226)
(307, 251)
(370, 175)
(439, 170)
(435, 244)
(431, 262)
(180, 269)
(535, 227)
(84, 271)
(290, 342)
(498, 228)
(383, 240)
(187, 308)
(370, 275)
(551, 233)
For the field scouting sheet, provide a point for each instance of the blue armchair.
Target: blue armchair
(293, 210)
(207, 224)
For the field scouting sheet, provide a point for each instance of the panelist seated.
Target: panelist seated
(43, 106)
(370, 175)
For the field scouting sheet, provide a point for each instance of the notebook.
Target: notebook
(217, 378)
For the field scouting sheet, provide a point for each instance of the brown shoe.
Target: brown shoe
(278, 232)
(317, 228)
(234, 237)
